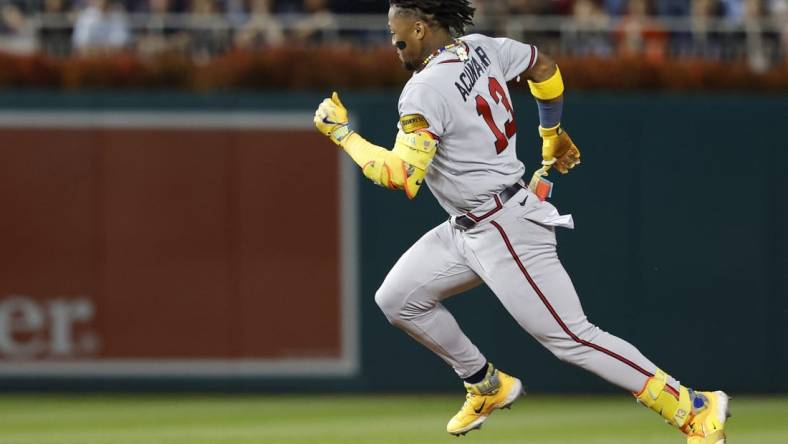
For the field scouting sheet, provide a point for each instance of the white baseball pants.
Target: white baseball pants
(512, 250)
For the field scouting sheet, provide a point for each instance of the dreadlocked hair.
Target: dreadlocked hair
(453, 15)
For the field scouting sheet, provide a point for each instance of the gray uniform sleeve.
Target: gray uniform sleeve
(420, 99)
(515, 57)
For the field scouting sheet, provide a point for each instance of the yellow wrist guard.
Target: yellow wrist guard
(549, 89)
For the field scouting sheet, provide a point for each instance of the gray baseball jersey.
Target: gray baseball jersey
(467, 105)
(462, 95)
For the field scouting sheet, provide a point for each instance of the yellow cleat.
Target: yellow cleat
(497, 391)
(707, 423)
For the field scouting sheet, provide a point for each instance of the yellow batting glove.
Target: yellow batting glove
(558, 150)
(331, 119)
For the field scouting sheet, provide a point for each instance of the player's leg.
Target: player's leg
(410, 298)
(523, 270)
(517, 258)
(429, 272)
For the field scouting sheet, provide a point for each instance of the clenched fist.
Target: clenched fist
(558, 150)
(331, 119)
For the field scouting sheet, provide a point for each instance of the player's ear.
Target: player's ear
(419, 28)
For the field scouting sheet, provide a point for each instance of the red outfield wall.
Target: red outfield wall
(156, 250)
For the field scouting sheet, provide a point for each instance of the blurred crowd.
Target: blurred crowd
(756, 29)
(202, 28)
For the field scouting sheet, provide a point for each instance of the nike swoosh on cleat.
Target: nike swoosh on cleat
(325, 120)
(479, 410)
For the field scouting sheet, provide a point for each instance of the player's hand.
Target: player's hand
(558, 150)
(331, 119)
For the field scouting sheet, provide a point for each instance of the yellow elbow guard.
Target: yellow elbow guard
(416, 150)
(405, 166)
(549, 89)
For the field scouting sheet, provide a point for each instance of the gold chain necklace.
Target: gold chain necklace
(456, 43)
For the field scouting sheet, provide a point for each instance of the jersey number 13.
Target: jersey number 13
(483, 109)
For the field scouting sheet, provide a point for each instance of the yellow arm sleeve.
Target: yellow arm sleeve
(402, 168)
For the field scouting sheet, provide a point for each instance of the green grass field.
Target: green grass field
(356, 419)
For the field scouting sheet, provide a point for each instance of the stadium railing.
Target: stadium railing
(762, 42)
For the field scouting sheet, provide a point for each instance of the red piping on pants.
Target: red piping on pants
(558, 318)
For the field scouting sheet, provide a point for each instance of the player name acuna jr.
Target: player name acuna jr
(474, 68)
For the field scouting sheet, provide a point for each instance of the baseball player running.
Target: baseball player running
(457, 133)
